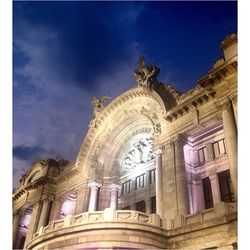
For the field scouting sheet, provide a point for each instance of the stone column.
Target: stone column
(159, 182)
(46, 205)
(114, 188)
(198, 195)
(148, 205)
(181, 178)
(16, 219)
(56, 208)
(81, 199)
(230, 132)
(195, 158)
(104, 196)
(215, 188)
(94, 186)
(33, 222)
(234, 99)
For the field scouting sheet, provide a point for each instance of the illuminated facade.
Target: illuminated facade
(156, 170)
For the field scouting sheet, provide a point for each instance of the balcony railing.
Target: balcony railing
(107, 215)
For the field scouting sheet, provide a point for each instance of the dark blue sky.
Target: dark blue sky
(66, 52)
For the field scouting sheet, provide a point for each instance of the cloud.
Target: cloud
(79, 52)
(23, 152)
(58, 68)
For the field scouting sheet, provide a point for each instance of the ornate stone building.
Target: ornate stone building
(156, 170)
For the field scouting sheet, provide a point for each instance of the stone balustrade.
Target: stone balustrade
(221, 209)
(107, 215)
(133, 229)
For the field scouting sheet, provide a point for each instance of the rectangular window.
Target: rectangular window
(126, 187)
(140, 181)
(208, 197)
(152, 176)
(153, 205)
(226, 187)
(219, 148)
(126, 208)
(141, 206)
(202, 155)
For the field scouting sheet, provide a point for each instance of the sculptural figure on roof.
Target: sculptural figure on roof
(145, 75)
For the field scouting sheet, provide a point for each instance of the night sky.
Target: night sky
(66, 52)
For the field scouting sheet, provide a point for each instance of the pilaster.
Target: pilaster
(230, 132)
(181, 178)
(159, 182)
(35, 215)
(81, 202)
(45, 211)
(16, 220)
(210, 152)
(215, 188)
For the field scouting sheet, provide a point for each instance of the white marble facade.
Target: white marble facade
(156, 170)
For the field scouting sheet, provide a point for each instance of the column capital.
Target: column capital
(212, 174)
(114, 186)
(48, 198)
(159, 150)
(95, 184)
(180, 138)
(224, 104)
(19, 212)
(234, 98)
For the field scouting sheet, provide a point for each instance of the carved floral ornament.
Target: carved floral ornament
(115, 186)
(95, 184)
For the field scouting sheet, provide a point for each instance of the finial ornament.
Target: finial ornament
(145, 75)
(98, 104)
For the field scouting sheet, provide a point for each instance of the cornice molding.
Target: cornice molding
(197, 99)
(42, 181)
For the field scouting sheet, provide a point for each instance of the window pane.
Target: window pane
(208, 197)
(140, 206)
(225, 184)
(152, 176)
(153, 205)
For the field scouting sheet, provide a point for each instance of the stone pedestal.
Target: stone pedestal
(230, 132)
(93, 199)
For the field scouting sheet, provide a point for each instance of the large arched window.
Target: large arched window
(35, 176)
